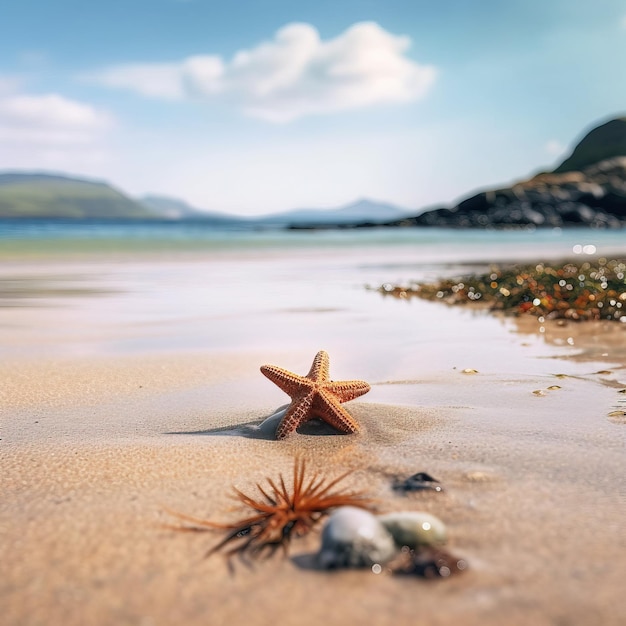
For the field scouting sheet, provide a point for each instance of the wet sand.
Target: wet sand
(97, 445)
(534, 498)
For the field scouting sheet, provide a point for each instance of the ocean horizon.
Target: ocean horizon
(37, 235)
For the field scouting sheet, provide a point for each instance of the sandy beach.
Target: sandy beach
(125, 387)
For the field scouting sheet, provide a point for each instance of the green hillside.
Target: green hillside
(49, 196)
(603, 142)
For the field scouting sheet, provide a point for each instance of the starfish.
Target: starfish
(315, 395)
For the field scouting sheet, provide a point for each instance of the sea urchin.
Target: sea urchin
(278, 515)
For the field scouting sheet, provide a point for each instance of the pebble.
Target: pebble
(415, 529)
(353, 537)
(418, 482)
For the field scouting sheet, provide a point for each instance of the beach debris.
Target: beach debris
(617, 417)
(592, 290)
(622, 391)
(429, 563)
(405, 543)
(354, 538)
(541, 392)
(469, 370)
(278, 514)
(414, 529)
(418, 482)
(315, 396)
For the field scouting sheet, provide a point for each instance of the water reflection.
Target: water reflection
(29, 290)
(588, 340)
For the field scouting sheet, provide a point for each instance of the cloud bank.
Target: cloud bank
(49, 119)
(294, 75)
(49, 131)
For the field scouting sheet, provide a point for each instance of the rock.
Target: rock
(431, 563)
(417, 482)
(588, 189)
(414, 528)
(354, 538)
(595, 197)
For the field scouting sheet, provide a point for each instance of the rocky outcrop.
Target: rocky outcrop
(587, 189)
(595, 197)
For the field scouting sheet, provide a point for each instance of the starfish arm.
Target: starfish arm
(320, 369)
(348, 389)
(299, 411)
(291, 384)
(328, 407)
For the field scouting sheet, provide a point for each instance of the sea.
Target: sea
(28, 236)
(72, 289)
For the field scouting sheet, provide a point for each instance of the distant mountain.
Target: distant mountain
(44, 195)
(40, 195)
(175, 209)
(587, 189)
(359, 211)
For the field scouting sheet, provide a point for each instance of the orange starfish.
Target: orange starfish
(315, 395)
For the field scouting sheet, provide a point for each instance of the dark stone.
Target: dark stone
(430, 563)
(417, 482)
(595, 197)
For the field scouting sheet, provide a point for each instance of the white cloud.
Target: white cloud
(50, 131)
(49, 119)
(294, 75)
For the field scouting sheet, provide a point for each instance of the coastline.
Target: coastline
(101, 435)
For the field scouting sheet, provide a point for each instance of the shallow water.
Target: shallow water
(59, 236)
(81, 289)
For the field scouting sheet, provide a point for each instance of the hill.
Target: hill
(39, 195)
(603, 142)
(175, 209)
(361, 210)
(587, 189)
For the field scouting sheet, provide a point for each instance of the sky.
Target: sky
(253, 107)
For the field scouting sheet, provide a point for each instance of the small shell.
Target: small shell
(414, 528)
(354, 538)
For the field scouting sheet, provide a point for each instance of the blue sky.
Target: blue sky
(254, 107)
